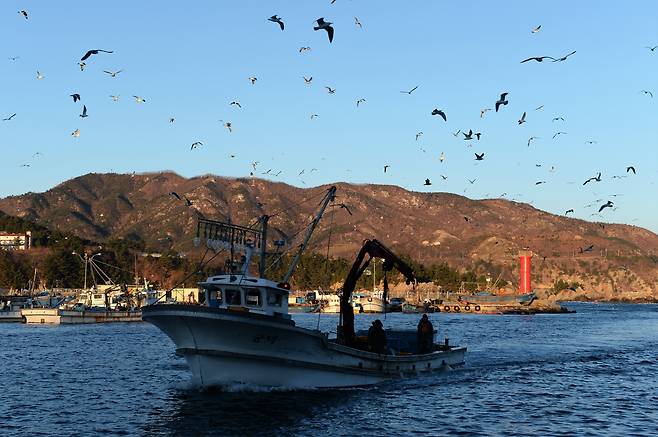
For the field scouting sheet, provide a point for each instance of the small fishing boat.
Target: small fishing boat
(242, 332)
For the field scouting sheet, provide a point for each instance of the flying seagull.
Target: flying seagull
(454, 134)
(646, 92)
(196, 144)
(275, 19)
(651, 48)
(112, 73)
(564, 58)
(531, 139)
(539, 108)
(484, 111)
(538, 59)
(558, 119)
(304, 49)
(138, 99)
(39, 75)
(9, 118)
(442, 157)
(502, 101)
(479, 157)
(427, 182)
(76, 97)
(628, 169)
(326, 25)
(82, 65)
(253, 80)
(471, 181)
(115, 98)
(308, 80)
(558, 133)
(411, 90)
(608, 204)
(357, 23)
(172, 119)
(14, 58)
(468, 136)
(359, 101)
(84, 112)
(94, 52)
(386, 168)
(445, 178)
(313, 116)
(536, 29)
(587, 249)
(331, 90)
(228, 126)
(590, 142)
(235, 103)
(76, 133)
(595, 179)
(440, 113)
(540, 182)
(418, 135)
(568, 211)
(23, 13)
(522, 119)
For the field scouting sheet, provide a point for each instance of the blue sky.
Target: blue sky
(189, 60)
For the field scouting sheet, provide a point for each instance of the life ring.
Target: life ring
(477, 307)
(446, 309)
(467, 308)
(457, 309)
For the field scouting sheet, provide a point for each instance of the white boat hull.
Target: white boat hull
(56, 316)
(225, 348)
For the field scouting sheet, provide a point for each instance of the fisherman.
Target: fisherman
(425, 335)
(377, 337)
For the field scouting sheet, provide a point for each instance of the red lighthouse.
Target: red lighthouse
(525, 267)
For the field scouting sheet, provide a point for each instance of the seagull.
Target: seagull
(25, 165)
(522, 119)
(9, 118)
(502, 101)
(326, 25)
(411, 90)
(427, 182)
(138, 99)
(568, 211)
(539, 108)
(647, 92)
(558, 119)
(76, 133)
(308, 80)
(536, 29)
(531, 139)
(445, 178)
(172, 119)
(360, 101)
(235, 103)
(590, 142)
(558, 133)
(454, 134)
(228, 125)
(651, 48)
(112, 73)
(629, 168)
(478, 135)
(275, 19)
(14, 58)
(479, 157)
(471, 181)
(468, 136)
(442, 157)
(386, 168)
(538, 59)
(357, 23)
(304, 49)
(313, 116)
(196, 144)
(540, 182)
(564, 58)
(24, 14)
(596, 179)
(331, 90)
(253, 80)
(175, 194)
(484, 111)
(82, 65)
(255, 163)
(418, 135)
(84, 112)
(39, 75)
(76, 97)
(608, 204)
(94, 52)
(440, 113)
(587, 249)
(115, 98)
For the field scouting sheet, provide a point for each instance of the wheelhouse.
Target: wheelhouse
(246, 294)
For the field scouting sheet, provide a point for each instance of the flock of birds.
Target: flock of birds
(498, 104)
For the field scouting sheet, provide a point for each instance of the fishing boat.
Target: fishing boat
(243, 334)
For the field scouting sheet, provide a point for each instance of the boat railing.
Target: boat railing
(227, 235)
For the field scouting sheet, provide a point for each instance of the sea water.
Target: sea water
(594, 372)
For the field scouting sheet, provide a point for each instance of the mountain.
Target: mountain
(429, 227)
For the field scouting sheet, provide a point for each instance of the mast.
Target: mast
(331, 194)
(263, 241)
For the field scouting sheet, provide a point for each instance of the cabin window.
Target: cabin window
(214, 296)
(253, 297)
(233, 297)
(274, 299)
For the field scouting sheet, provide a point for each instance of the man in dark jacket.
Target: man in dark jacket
(425, 335)
(377, 337)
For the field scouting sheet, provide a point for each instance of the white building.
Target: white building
(15, 241)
